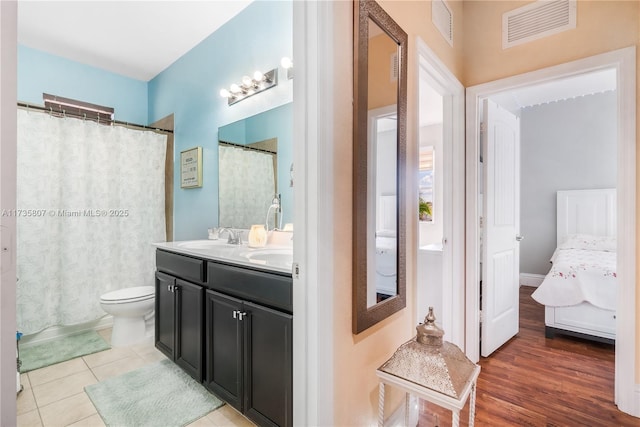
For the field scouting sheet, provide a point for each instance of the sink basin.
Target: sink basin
(282, 257)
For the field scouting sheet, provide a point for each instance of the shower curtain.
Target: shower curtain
(90, 202)
(246, 186)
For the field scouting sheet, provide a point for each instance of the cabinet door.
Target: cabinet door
(268, 368)
(165, 314)
(224, 347)
(189, 321)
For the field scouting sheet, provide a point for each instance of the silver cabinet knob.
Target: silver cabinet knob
(519, 238)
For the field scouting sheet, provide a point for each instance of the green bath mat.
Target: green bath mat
(160, 394)
(61, 349)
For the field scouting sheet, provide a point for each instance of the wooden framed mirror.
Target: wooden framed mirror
(379, 165)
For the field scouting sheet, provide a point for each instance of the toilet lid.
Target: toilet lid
(136, 293)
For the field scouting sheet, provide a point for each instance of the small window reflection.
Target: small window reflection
(425, 184)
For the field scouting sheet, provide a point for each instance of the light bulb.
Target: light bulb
(246, 80)
(258, 76)
(286, 62)
(224, 93)
(235, 88)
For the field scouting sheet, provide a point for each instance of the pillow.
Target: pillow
(586, 241)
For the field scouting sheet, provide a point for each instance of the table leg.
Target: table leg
(455, 415)
(381, 405)
(472, 405)
(406, 409)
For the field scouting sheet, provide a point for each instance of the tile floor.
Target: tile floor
(54, 395)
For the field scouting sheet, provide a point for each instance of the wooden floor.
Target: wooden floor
(534, 381)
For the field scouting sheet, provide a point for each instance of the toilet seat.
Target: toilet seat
(127, 295)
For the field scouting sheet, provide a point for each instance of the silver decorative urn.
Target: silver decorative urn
(431, 362)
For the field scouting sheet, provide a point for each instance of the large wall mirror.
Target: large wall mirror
(379, 158)
(255, 158)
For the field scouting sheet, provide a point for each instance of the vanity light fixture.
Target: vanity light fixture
(250, 86)
(287, 64)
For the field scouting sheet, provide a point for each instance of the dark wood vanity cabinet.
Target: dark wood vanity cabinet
(179, 315)
(268, 379)
(224, 347)
(249, 341)
(249, 358)
(165, 337)
(229, 327)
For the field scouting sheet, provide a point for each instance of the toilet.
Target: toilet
(130, 308)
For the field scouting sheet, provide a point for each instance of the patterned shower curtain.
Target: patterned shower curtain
(246, 186)
(90, 201)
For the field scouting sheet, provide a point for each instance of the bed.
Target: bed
(580, 291)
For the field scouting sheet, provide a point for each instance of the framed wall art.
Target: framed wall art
(191, 168)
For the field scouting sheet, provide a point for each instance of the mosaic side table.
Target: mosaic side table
(432, 369)
(455, 405)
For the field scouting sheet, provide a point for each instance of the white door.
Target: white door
(500, 261)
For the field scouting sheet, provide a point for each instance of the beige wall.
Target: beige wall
(601, 26)
(358, 356)
(383, 91)
(477, 57)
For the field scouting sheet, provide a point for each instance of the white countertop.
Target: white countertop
(277, 258)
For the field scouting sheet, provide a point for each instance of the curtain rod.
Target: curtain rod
(76, 116)
(246, 147)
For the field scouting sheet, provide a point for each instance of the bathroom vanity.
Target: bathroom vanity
(224, 315)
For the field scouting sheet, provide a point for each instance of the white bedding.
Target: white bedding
(579, 275)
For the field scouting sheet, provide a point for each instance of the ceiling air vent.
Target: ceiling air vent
(393, 76)
(443, 19)
(537, 20)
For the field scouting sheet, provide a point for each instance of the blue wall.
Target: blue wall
(255, 39)
(40, 72)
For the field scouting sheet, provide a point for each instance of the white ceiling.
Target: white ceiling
(431, 111)
(137, 39)
(140, 38)
(557, 90)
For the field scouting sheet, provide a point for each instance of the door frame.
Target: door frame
(314, 30)
(442, 80)
(627, 394)
(8, 145)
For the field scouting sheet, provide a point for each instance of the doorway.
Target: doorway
(623, 61)
(440, 281)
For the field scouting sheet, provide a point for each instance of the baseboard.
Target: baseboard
(636, 401)
(532, 280)
(62, 331)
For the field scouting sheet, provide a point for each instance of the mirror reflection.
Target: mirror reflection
(382, 139)
(255, 166)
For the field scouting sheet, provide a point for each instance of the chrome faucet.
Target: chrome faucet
(235, 236)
